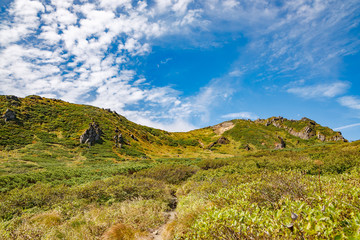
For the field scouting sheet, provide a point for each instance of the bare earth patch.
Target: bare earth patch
(223, 127)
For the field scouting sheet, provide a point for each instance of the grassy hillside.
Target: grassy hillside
(222, 182)
(55, 122)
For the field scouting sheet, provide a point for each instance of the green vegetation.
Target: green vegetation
(53, 187)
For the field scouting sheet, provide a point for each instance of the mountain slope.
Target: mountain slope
(59, 123)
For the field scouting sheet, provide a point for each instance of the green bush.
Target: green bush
(170, 173)
(213, 163)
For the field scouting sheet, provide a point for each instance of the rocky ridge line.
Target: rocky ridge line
(306, 132)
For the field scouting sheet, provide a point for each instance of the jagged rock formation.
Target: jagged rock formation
(91, 135)
(281, 144)
(221, 141)
(120, 140)
(308, 131)
(9, 115)
(321, 137)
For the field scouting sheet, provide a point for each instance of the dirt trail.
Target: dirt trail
(157, 234)
(171, 216)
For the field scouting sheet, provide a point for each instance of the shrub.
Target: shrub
(170, 173)
(213, 163)
(273, 187)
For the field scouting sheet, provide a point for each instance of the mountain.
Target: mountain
(36, 120)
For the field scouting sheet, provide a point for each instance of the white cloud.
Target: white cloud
(347, 126)
(177, 6)
(243, 115)
(82, 51)
(321, 90)
(180, 6)
(350, 102)
(178, 125)
(235, 73)
(69, 54)
(25, 20)
(114, 4)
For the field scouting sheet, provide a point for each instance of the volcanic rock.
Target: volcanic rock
(221, 141)
(280, 145)
(9, 115)
(91, 135)
(306, 133)
(321, 137)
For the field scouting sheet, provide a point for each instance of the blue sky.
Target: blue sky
(185, 64)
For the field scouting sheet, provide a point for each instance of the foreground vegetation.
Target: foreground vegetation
(162, 185)
(310, 193)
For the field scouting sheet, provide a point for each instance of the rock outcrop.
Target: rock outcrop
(306, 133)
(9, 115)
(321, 137)
(281, 144)
(222, 140)
(337, 137)
(91, 135)
(13, 100)
(120, 140)
(12, 97)
(310, 129)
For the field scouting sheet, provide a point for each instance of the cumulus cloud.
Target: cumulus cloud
(321, 90)
(350, 102)
(81, 52)
(24, 21)
(84, 51)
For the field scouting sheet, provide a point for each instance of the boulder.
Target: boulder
(91, 135)
(281, 144)
(321, 137)
(223, 140)
(9, 115)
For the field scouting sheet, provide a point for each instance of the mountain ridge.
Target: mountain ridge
(37, 119)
